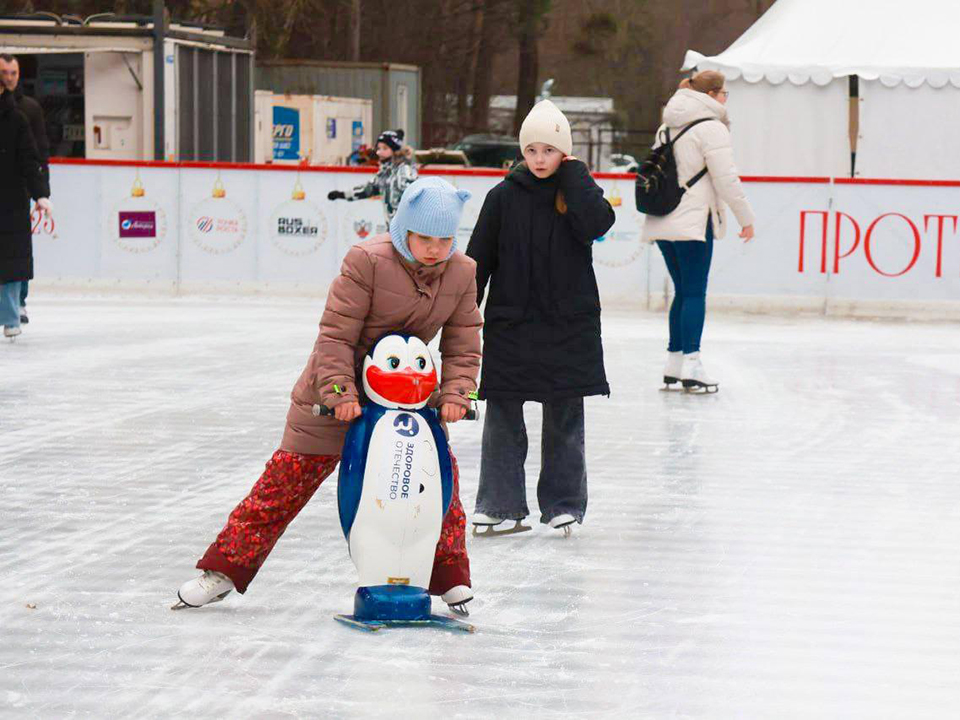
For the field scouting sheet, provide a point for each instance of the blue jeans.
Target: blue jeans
(688, 262)
(10, 304)
(562, 487)
(24, 286)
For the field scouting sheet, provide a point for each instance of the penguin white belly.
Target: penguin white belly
(394, 535)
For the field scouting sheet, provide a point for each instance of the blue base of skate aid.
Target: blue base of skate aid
(389, 606)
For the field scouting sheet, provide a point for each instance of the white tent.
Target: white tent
(814, 80)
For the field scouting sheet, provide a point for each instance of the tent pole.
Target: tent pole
(854, 122)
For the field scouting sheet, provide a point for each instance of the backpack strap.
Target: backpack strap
(688, 127)
(699, 176)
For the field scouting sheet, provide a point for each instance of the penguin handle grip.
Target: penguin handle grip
(319, 410)
(472, 414)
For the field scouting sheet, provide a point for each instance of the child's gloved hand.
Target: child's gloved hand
(451, 412)
(345, 412)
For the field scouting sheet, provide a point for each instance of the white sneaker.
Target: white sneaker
(457, 598)
(563, 522)
(673, 368)
(11, 332)
(209, 587)
(694, 377)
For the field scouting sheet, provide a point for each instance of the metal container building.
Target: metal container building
(130, 88)
(394, 89)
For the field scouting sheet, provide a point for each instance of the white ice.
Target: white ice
(787, 548)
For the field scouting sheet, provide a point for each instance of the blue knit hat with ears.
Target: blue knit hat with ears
(430, 206)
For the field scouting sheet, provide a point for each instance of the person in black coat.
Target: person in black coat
(10, 77)
(533, 244)
(21, 178)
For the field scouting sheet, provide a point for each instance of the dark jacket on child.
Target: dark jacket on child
(21, 177)
(541, 335)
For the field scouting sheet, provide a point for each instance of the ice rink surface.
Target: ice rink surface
(787, 548)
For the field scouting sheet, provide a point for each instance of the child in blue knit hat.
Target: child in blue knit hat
(410, 281)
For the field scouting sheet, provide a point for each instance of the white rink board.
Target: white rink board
(222, 229)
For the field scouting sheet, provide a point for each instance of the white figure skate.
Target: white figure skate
(563, 522)
(209, 588)
(485, 526)
(672, 370)
(457, 598)
(695, 378)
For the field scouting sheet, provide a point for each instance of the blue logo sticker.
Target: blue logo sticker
(406, 425)
(286, 133)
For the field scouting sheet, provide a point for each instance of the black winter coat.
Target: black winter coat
(34, 113)
(21, 178)
(541, 333)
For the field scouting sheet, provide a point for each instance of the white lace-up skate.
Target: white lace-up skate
(210, 587)
(485, 525)
(563, 522)
(672, 370)
(694, 377)
(11, 332)
(457, 598)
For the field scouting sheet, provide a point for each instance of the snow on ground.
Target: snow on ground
(786, 548)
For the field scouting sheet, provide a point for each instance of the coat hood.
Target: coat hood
(688, 105)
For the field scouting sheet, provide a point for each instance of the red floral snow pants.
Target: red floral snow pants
(287, 484)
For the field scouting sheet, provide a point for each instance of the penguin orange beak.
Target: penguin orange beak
(406, 387)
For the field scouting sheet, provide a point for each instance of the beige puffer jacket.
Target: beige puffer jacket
(377, 292)
(708, 144)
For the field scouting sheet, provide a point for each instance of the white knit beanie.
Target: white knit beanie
(430, 206)
(546, 124)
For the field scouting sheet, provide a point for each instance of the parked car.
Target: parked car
(622, 163)
(487, 150)
(440, 158)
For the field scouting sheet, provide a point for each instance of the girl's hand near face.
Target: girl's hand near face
(568, 158)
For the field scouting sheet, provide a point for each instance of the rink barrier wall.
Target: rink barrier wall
(826, 246)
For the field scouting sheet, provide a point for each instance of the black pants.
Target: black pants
(562, 487)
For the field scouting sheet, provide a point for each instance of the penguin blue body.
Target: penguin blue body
(395, 486)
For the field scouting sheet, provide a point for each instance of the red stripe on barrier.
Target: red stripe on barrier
(907, 183)
(477, 172)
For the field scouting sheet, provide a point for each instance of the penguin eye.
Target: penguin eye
(393, 361)
(421, 362)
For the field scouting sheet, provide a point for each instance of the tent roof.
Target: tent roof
(894, 41)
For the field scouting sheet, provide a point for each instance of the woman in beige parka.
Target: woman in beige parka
(685, 236)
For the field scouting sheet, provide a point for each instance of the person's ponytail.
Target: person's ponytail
(707, 81)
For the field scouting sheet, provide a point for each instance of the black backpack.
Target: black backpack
(658, 188)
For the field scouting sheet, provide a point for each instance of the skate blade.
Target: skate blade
(695, 388)
(434, 621)
(490, 530)
(181, 605)
(460, 609)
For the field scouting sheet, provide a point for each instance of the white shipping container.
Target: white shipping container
(315, 129)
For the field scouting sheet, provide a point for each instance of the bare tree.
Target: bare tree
(531, 24)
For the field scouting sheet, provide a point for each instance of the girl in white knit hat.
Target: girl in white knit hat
(533, 245)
